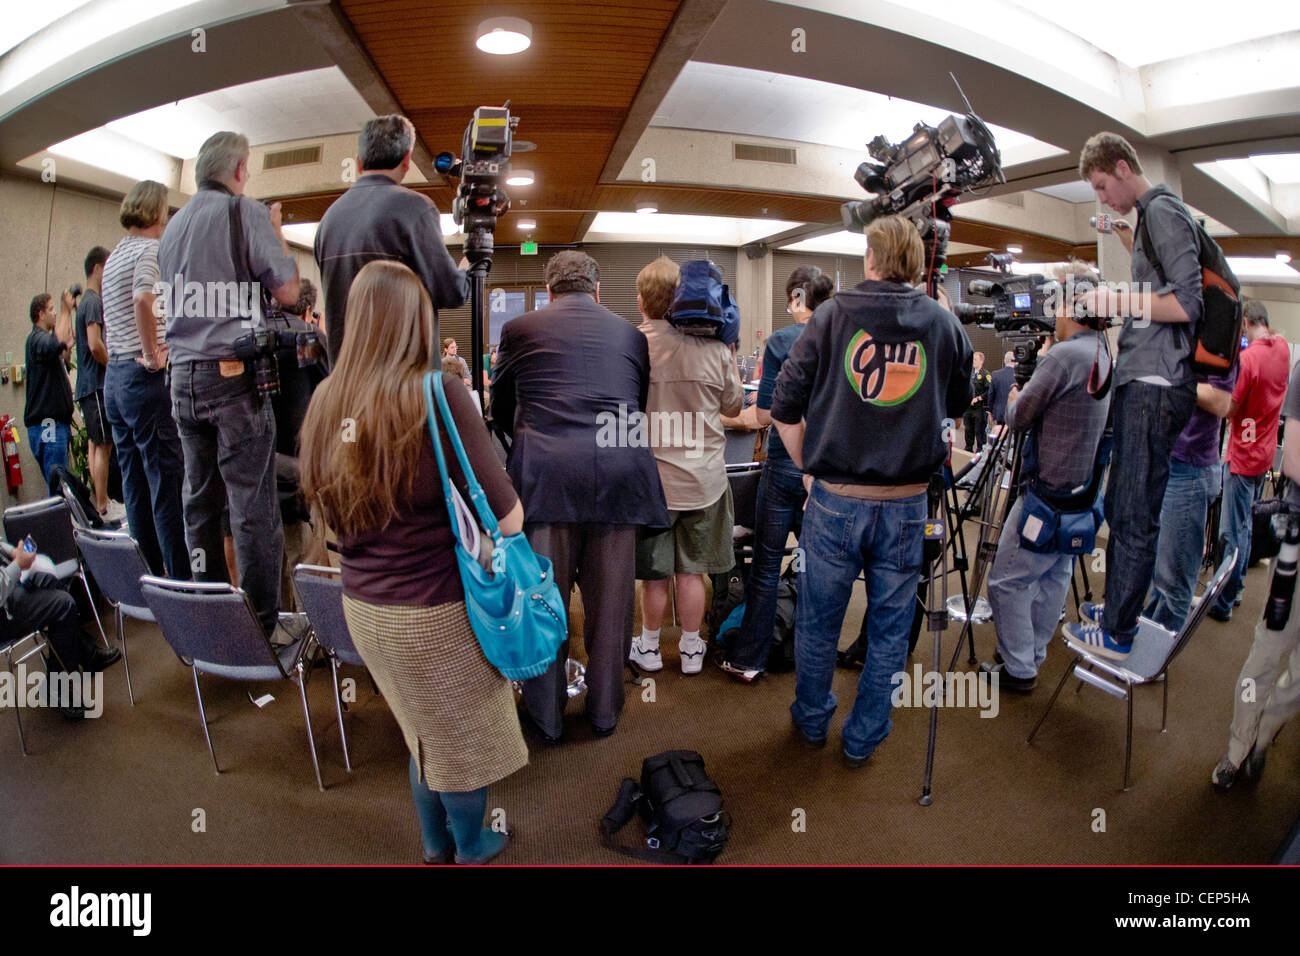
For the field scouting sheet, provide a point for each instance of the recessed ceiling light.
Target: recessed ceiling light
(647, 208)
(504, 35)
(526, 224)
(1283, 257)
(520, 177)
(1015, 250)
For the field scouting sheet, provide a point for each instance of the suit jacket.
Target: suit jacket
(1004, 379)
(569, 383)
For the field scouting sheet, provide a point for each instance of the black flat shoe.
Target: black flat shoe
(102, 659)
(445, 858)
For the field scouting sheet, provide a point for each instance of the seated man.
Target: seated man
(1027, 588)
(693, 382)
(40, 604)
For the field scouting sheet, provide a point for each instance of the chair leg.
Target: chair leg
(311, 740)
(1164, 706)
(93, 610)
(18, 711)
(1051, 703)
(338, 708)
(121, 640)
(204, 717)
(1128, 739)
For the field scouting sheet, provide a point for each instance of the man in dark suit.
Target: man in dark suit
(1004, 379)
(570, 386)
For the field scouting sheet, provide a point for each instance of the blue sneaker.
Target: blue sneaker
(1090, 637)
(1090, 612)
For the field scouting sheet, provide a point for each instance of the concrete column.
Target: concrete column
(753, 293)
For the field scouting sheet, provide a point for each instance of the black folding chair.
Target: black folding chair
(213, 628)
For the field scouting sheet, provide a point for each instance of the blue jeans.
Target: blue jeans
(137, 404)
(1181, 545)
(779, 508)
(1027, 592)
(228, 436)
(1235, 523)
(841, 537)
(1146, 420)
(49, 442)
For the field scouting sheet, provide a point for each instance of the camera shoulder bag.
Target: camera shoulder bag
(1055, 523)
(682, 808)
(514, 604)
(1217, 340)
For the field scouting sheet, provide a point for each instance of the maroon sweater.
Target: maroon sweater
(412, 561)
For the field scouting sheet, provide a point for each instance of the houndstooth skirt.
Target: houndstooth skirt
(457, 711)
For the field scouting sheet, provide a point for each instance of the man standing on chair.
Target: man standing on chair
(693, 382)
(879, 360)
(1154, 388)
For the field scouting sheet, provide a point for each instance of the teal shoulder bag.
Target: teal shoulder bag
(514, 605)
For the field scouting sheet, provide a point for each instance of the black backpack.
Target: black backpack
(682, 808)
(1217, 341)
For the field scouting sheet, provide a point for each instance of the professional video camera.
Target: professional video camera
(266, 346)
(922, 176)
(482, 170)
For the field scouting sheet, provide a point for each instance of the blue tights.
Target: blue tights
(453, 816)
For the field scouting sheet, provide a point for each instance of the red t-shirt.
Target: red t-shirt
(1261, 387)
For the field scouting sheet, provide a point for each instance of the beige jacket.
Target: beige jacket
(693, 383)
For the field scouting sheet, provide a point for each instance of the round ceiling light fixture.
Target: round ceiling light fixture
(1015, 250)
(520, 177)
(503, 36)
(526, 224)
(647, 208)
(1283, 257)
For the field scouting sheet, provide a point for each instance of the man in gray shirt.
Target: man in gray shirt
(1154, 390)
(1027, 588)
(216, 257)
(380, 219)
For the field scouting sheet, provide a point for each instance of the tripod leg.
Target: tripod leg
(938, 623)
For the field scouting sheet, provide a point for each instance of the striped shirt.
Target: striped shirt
(131, 271)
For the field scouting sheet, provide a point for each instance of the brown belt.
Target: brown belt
(874, 492)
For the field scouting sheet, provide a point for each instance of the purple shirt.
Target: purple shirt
(1198, 443)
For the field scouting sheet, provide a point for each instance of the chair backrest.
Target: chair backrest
(209, 622)
(49, 522)
(115, 562)
(320, 595)
(79, 517)
(1202, 606)
(744, 492)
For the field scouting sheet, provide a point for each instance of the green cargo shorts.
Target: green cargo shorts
(698, 542)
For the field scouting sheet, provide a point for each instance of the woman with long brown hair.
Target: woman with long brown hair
(368, 463)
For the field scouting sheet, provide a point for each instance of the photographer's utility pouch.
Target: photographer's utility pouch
(1038, 523)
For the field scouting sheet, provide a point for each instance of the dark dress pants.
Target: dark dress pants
(601, 560)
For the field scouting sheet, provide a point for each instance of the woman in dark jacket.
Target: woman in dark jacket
(367, 462)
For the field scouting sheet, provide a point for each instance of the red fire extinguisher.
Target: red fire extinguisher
(13, 468)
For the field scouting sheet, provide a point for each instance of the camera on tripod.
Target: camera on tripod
(265, 347)
(922, 176)
(1024, 304)
(482, 170)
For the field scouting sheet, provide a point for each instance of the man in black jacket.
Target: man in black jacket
(378, 218)
(570, 386)
(1003, 380)
(860, 405)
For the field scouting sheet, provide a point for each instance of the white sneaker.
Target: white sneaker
(116, 511)
(692, 655)
(644, 657)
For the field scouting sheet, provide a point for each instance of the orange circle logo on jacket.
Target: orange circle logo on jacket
(884, 373)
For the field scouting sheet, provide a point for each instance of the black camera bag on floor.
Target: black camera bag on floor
(682, 808)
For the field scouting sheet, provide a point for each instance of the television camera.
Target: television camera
(921, 177)
(482, 170)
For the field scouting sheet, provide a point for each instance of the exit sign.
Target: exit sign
(528, 248)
